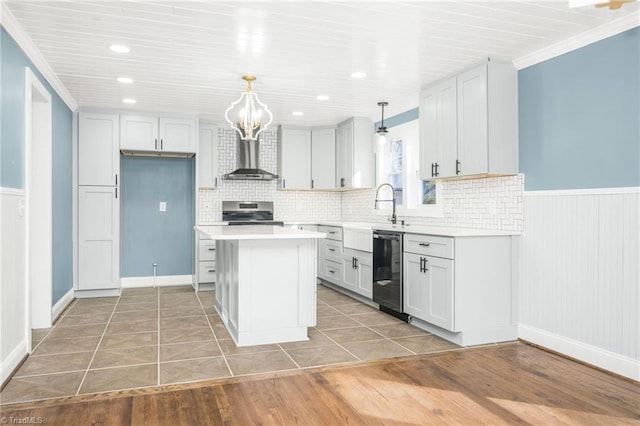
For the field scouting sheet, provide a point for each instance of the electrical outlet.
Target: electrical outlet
(163, 206)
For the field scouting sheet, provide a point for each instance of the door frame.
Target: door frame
(38, 201)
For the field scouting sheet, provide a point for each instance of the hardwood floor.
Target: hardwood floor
(499, 384)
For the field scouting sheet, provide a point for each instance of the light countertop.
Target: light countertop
(425, 230)
(255, 232)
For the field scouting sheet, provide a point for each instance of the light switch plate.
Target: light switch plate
(163, 206)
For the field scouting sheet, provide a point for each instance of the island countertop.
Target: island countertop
(255, 232)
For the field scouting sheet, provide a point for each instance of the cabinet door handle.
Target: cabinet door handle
(215, 182)
(433, 169)
(425, 269)
(421, 264)
(116, 192)
(424, 244)
(284, 183)
(116, 178)
(311, 183)
(342, 182)
(156, 144)
(355, 260)
(437, 166)
(161, 143)
(457, 167)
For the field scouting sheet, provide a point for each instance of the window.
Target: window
(398, 162)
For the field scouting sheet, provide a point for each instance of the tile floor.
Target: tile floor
(150, 337)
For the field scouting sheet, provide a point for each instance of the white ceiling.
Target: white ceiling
(188, 57)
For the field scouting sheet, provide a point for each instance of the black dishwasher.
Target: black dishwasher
(387, 272)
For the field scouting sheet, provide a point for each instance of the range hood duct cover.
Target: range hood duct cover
(249, 162)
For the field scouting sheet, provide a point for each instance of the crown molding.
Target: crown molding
(11, 25)
(596, 34)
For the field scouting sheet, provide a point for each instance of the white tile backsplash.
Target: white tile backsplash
(488, 203)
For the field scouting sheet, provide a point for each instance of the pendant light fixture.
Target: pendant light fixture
(248, 116)
(382, 130)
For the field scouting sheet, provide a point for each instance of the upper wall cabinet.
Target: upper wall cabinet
(307, 158)
(208, 156)
(355, 160)
(323, 158)
(152, 134)
(468, 124)
(295, 158)
(98, 149)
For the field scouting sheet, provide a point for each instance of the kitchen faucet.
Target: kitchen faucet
(393, 200)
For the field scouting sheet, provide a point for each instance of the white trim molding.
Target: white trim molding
(162, 281)
(62, 304)
(589, 354)
(10, 23)
(588, 191)
(11, 191)
(12, 361)
(596, 34)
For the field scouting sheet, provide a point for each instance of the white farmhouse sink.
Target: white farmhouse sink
(357, 236)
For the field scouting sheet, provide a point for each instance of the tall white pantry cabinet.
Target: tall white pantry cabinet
(98, 202)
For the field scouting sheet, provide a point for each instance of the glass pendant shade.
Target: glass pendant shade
(248, 116)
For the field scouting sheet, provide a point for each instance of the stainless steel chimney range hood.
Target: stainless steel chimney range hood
(248, 162)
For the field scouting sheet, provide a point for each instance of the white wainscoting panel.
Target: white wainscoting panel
(13, 328)
(579, 275)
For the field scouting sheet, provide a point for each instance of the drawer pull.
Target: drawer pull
(211, 249)
(331, 271)
(332, 249)
(424, 244)
(332, 232)
(212, 270)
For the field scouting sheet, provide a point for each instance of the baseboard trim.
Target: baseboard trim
(13, 361)
(62, 304)
(598, 357)
(162, 281)
(83, 294)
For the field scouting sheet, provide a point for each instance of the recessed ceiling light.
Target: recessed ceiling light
(323, 98)
(297, 113)
(129, 101)
(358, 74)
(125, 80)
(119, 48)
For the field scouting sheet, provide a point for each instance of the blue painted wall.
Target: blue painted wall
(147, 235)
(13, 62)
(579, 117)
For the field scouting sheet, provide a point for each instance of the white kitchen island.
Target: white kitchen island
(265, 282)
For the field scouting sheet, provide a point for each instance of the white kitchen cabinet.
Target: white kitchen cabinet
(357, 272)
(483, 140)
(295, 158)
(355, 160)
(428, 289)
(98, 149)
(461, 288)
(98, 238)
(438, 130)
(208, 155)
(323, 158)
(153, 134)
(330, 254)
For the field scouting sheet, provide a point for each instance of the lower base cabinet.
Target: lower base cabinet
(429, 292)
(98, 238)
(461, 288)
(357, 272)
